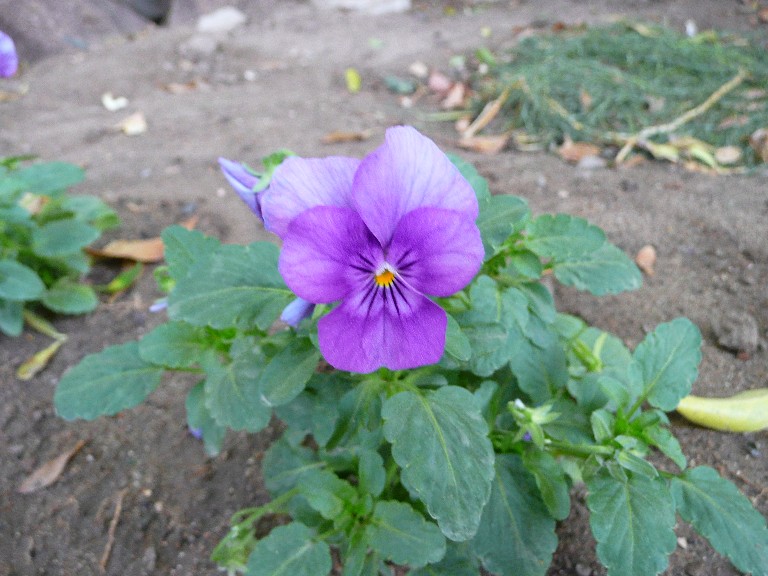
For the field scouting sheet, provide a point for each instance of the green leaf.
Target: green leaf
(91, 209)
(290, 550)
(633, 523)
(478, 183)
(562, 237)
(284, 465)
(499, 217)
(62, 237)
(517, 534)
(459, 560)
(606, 270)
(724, 516)
(669, 359)
(440, 440)
(236, 286)
(402, 535)
(174, 344)
(106, 383)
(525, 264)
(68, 297)
(50, 177)
(183, 248)
(19, 283)
(665, 441)
(287, 373)
(551, 481)
(371, 473)
(199, 418)
(540, 372)
(11, 317)
(232, 392)
(326, 493)
(456, 342)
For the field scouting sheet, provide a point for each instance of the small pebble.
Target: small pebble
(737, 331)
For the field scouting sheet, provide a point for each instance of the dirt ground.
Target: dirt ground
(278, 81)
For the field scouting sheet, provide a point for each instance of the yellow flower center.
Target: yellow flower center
(384, 278)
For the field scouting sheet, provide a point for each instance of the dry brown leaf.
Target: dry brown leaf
(339, 136)
(646, 259)
(148, 250)
(759, 142)
(485, 144)
(763, 15)
(455, 98)
(573, 152)
(728, 155)
(48, 473)
(133, 125)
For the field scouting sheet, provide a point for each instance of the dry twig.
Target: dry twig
(111, 532)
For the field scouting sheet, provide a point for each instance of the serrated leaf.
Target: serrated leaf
(440, 440)
(69, 297)
(633, 523)
(665, 441)
(516, 535)
(562, 237)
(49, 177)
(456, 342)
(724, 516)
(236, 286)
(287, 373)
(607, 270)
(402, 535)
(62, 237)
(11, 317)
(325, 492)
(499, 217)
(106, 383)
(232, 392)
(174, 344)
(478, 183)
(199, 418)
(540, 372)
(182, 248)
(290, 550)
(551, 482)
(19, 283)
(316, 410)
(91, 209)
(669, 359)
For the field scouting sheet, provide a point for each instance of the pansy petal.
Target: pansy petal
(9, 59)
(364, 334)
(407, 172)
(322, 251)
(296, 311)
(436, 251)
(302, 183)
(241, 179)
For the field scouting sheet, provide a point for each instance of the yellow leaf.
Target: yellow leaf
(48, 473)
(40, 360)
(743, 412)
(354, 81)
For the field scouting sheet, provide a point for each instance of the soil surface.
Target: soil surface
(278, 81)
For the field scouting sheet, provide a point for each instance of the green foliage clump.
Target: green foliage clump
(43, 230)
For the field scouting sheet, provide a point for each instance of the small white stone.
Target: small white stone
(224, 19)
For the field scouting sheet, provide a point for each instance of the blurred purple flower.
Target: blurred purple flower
(9, 60)
(243, 181)
(378, 235)
(296, 311)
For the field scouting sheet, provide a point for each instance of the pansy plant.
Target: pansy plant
(437, 409)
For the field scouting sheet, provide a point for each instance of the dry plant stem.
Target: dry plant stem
(630, 141)
(111, 532)
(489, 113)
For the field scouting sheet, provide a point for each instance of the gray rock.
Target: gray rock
(737, 330)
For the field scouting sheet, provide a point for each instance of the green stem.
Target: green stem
(580, 449)
(248, 516)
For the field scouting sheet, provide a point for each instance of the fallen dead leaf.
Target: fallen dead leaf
(759, 142)
(484, 144)
(728, 155)
(38, 361)
(455, 97)
(646, 259)
(133, 125)
(573, 152)
(763, 15)
(146, 250)
(339, 136)
(488, 113)
(48, 473)
(733, 122)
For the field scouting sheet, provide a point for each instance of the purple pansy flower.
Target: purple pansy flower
(379, 236)
(9, 60)
(243, 181)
